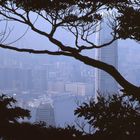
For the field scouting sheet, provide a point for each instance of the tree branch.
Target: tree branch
(111, 70)
(33, 51)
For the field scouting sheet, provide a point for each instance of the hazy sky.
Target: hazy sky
(33, 40)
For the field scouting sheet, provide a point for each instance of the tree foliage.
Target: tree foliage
(9, 112)
(80, 18)
(116, 117)
(11, 128)
(80, 12)
(10, 115)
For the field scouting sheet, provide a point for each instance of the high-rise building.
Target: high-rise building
(104, 83)
(45, 113)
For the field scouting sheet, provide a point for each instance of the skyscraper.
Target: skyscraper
(104, 83)
(45, 113)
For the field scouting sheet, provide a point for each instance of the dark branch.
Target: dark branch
(33, 51)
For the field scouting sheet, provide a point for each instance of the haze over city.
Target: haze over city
(35, 79)
(69, 69)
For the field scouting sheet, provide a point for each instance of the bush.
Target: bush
(115, 117)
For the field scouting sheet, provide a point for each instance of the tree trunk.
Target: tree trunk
(128, 87)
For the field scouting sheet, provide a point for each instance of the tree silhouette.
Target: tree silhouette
(11, 128)
(116, 117)
(9, 116)
(36, 131)
(80, 18)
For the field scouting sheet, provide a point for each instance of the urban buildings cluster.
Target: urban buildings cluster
(46, 88)
(52, 87)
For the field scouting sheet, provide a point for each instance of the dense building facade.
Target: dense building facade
(45, 113)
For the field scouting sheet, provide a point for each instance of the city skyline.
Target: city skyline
(57, 89)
